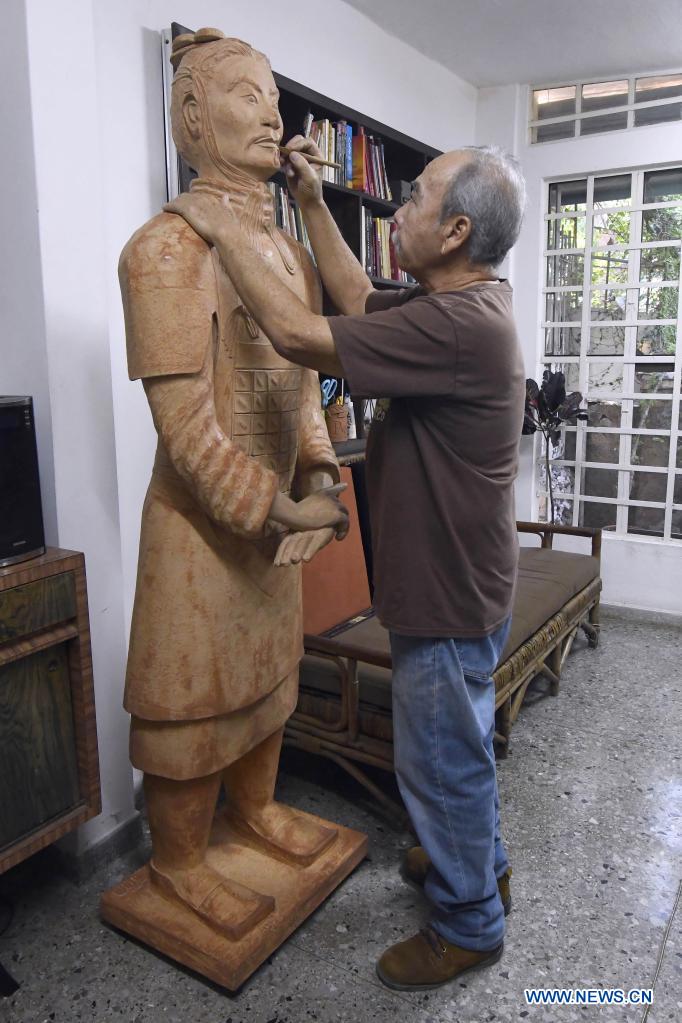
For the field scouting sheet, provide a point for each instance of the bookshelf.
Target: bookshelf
(405, 159)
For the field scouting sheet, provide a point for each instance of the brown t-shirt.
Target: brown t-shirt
(442, 453)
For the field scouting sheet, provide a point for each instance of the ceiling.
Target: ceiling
(497, 42)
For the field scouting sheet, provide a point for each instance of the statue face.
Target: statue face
(242, 98)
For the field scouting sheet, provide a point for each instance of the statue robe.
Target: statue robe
(216, 634)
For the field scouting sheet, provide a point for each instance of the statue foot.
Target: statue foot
(282, 833)
(227, 906)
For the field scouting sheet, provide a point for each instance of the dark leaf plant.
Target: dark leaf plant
(548, 409)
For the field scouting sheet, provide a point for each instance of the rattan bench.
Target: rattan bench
(344, 705)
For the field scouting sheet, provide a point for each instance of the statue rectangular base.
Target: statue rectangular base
(138, 908)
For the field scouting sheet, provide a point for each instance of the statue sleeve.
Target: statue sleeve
(169, 298)
(315, 452)
(234, 489)
(168, 290)
(316, 458)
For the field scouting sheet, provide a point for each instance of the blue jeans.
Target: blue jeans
(443, 726)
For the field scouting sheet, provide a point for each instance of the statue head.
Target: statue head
(224, 112)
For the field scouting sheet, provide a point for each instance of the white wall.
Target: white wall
(89, 170)
(637, 572)
(70, 200)
(23, 359)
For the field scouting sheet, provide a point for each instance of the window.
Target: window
(611, 324)
(589, 108)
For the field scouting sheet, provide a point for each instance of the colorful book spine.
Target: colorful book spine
(368, 246)
(360, 161)
(363, 236)
(371, 185)
(378, 252)
(386, 187)
(385, 252)
(288, 216)
(376, 174)
(340, 152)
(329, 138)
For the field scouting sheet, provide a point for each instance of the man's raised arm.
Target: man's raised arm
(296, 332)
(346, 282)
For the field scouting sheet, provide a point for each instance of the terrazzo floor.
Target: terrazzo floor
(591, 798)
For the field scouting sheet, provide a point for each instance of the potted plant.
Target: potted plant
(548, 409)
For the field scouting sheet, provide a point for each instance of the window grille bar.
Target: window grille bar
(634, 290)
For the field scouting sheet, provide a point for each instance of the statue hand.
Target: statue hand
(304, 180)
(208, 215)
(297, 547)
(320, 510)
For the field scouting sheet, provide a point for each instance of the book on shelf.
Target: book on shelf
(369, 158)
(361, 156)
(378, 252)
(335, 142)
(288, 216)
(388, 194)
(375, 176)
(369, 166)
(379, 256)
(359, 179)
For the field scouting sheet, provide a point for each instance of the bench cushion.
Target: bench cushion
(546, 581)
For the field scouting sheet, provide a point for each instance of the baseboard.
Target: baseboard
(642, 616)
(80, 866)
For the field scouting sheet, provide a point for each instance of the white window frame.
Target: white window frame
(629, 360)
(580, 115)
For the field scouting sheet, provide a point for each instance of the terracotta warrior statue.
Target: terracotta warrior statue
(233, 503)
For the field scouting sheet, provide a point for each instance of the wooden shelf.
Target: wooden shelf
(349, 451)
(296, 99)
(380, 205)
(388, 282)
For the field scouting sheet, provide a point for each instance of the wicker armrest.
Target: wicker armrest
(343, 646)
(546, 531)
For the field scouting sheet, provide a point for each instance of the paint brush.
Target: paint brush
(310, 157)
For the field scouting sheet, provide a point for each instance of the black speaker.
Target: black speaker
(21, 512)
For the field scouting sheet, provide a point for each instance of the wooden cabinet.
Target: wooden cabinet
(49, 770)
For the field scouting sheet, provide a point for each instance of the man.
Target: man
(216, 634)
(441, 463)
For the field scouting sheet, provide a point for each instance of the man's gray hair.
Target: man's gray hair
(491, 191)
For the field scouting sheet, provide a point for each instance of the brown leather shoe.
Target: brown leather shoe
(426, 961)
(503, 887)
(416, 866)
